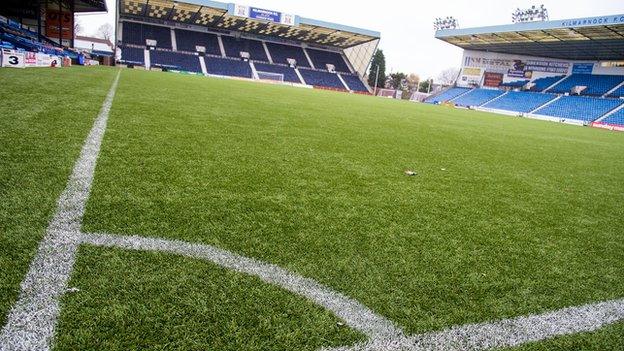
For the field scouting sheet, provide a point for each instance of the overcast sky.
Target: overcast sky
(407, 26)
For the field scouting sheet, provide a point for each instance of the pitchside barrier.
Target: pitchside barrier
(24, 59)
(608, 126)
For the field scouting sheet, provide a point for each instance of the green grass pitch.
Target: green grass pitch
(505, 217)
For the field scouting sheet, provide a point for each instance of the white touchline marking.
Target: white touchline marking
(32, 320)
(31, 323)
(506, 333)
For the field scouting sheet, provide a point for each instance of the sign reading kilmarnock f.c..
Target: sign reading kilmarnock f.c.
(592, 21)
(263, 15)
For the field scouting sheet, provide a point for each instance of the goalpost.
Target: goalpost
(278, 77)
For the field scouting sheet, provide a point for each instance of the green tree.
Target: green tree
(398, 81)
(424, 85)
(379, 60)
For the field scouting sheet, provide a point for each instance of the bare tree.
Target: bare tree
(78, 28)
(448, 76)
(413, 80)
(105, 31)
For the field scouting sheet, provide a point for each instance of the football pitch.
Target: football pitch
(143, 210)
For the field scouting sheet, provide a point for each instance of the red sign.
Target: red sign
(493, 80)
(56, 18)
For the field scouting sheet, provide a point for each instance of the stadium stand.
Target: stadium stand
(542, 84)
(354, 83)
(616, 119)
(187, 40)
(477, 97)
(175, 60)
(138, 33)
(234, 46)
(321, 79)
(447, 95)
(228, 67)
(519, 101)
(132, 55)
(15, 37)
(289, 73)
(597, 85)
(580, 108)
(225, 31)
(281, 53)
(321, 59)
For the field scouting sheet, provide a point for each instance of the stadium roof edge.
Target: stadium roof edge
(541, 25)
(302, 20)
(330, 25)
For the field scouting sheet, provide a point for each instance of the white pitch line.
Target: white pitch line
(507, 333)
(383, 334)
(356, 315)
(32, 320)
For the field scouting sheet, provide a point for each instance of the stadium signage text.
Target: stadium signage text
(593, 21)
(517, 68)
(264, 15)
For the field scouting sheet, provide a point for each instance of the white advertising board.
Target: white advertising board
(12, 58)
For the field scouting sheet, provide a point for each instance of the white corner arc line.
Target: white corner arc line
(383, 334)
(32, 320)
(356, 315)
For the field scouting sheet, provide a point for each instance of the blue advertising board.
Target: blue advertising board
(583, 68)
(265, 15)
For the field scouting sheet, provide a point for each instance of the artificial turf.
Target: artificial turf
(608, 338)
(45, 116)
(505, 216)
(138, 301)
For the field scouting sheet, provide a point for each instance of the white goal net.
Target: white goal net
(271, 76)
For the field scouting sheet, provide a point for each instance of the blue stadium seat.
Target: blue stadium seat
(580, 108)
(137, 33)
(447, 95)
(228, 67)
(597, 85)
(477, 97)
(187, 40)
(281, 53)
(321, 79)
(175, 60)
(320, 59)
(520, 101)
(615, 119)
(130, 55)
(234, 46)
(542, 83)
(515, 84)
(289, 73)
(619, 92)
(354, 83)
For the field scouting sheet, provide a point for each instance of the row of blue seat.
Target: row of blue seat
(137, 33)
(615, 119)
(583, 108)
(477, 97)
(597, 84)
(520, 101)
(238, 68)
